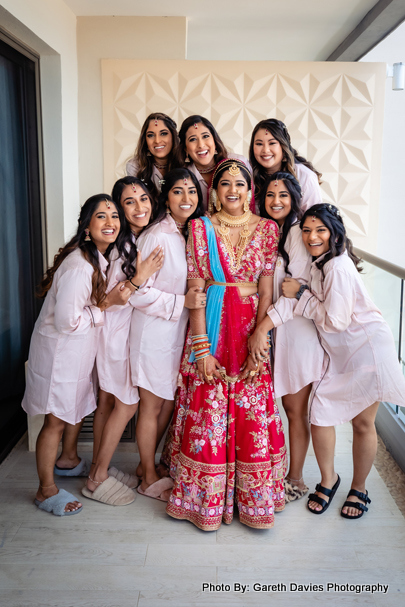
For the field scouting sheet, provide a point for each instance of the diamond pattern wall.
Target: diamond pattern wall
(334, 112)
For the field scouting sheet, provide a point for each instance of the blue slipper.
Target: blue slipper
(82, 469)
(57, 503)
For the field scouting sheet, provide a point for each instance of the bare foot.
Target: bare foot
(352, 511)
(162, 471)
(43, 494)
(328, 485)
(66, 463)
(94, 481)
(147, 481)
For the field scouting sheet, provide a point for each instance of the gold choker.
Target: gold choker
(233, 221)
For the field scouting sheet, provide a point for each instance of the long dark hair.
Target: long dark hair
(222, 152)
(339, 242)
(279, 131)
(125, 244)
(293, 216)
(144, 159)
(170, 180)
(88, 249)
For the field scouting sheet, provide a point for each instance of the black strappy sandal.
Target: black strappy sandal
(330, 493)
(362, 507)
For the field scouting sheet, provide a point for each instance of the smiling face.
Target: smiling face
(268, 151)
(159, 140)
(200, 144)
(315, 236)
(232, 191)
(182, 200)
(104, 225)
(278, 201)
(137, 207)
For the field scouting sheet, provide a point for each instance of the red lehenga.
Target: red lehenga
(226, 442)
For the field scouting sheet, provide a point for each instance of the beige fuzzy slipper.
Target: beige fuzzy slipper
(130, 480)
(293, 492)
(111, 492)
(160, 490)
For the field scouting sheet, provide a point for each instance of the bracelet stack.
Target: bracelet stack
(200, 346)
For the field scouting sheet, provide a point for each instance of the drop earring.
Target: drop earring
(246, 204)
(215, 200)
(187, 159)
(148, 153)
(87, 232)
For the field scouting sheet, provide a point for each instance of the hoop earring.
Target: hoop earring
(87, 232)
(246, 204)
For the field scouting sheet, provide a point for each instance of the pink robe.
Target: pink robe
(311, 190)
(159, 318)
(64, 345)
(298, 355)
(361, 360)
(157, 177)
(113, 366)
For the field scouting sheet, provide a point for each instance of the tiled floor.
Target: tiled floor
(136, 556)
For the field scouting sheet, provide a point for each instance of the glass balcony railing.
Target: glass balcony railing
(385, 283)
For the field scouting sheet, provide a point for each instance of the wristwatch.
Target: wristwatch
(300, 291)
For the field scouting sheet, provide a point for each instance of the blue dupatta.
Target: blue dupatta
(215, 293)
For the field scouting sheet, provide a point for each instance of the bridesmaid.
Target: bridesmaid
(159, 321)
(362, 367)
(65, 340)
(298, 355)
(201, 149)
(118, 398)
(271, 151)
(157, 152)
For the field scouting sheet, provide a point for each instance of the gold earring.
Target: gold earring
(246, 204)
(217, 202)
(167, 210)
(87, 232)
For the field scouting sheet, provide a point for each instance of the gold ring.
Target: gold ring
(252, 373)
(209, 377)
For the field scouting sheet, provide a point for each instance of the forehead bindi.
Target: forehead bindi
(313, 222)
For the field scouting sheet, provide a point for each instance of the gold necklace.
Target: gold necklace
(226, 222)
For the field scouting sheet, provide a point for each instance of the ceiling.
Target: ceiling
(278, 30)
